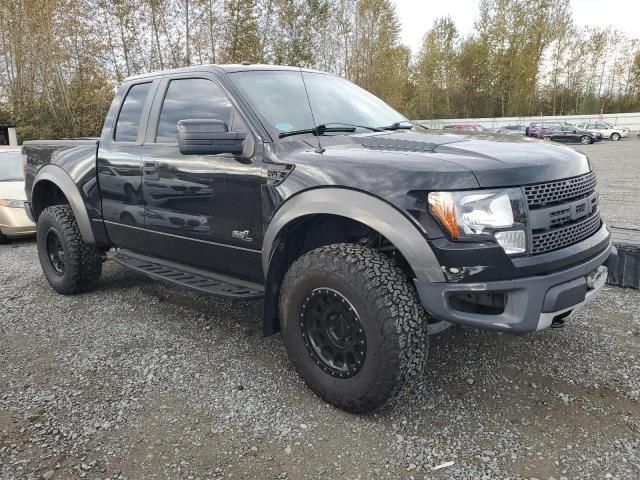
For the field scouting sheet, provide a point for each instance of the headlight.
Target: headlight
(12, 203)
(498, 215)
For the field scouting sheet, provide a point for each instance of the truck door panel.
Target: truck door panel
(195, 203)
(119, 164)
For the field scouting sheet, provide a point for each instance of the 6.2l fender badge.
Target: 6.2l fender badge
(242, 235)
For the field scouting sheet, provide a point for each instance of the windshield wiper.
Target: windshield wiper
(397, 126)
(322, 129)
(373, 129)
(400, 126)
(318, 131)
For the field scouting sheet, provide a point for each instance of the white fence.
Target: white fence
(628, 120)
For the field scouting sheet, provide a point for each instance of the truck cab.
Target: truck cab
(362, 232)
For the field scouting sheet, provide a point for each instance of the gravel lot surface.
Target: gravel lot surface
(142, 380)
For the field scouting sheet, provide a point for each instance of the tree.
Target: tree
(241, 40)
(436, 69)
(377, 61)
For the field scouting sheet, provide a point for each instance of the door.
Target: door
(203, 210)
(119, 164)
(565, 134)
(605, 130)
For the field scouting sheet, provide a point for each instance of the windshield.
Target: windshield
(279, 97)
(10, 166)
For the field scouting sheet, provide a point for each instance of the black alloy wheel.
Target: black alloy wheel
(353, 325)
(55, 251)
(333, 334)
(70, 265)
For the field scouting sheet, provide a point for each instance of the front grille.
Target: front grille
(560, 191)
(564, 236)
(554, 207)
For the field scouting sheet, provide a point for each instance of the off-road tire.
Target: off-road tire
(391, 315)
(615, 136)
(82, 262)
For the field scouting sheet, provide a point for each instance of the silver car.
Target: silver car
(13, 218)
(513, 130)
(607, 130)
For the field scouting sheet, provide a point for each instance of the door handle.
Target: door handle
(150, 168)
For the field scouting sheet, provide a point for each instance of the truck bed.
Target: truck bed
(59, 152)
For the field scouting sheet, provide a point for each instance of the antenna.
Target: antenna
(313, 119)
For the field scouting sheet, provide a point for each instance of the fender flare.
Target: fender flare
(67, 186)
(366, 209)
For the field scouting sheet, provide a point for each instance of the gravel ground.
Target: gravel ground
(142, 380)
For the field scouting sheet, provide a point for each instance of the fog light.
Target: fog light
(513, 241)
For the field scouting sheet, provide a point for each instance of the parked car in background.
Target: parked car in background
(466, 127)
(535, 128)
(13, 218)
(513, 130)
(570, 134)
(606, 129)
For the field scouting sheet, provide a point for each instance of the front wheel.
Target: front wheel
(586, 140)
(3, 238)
(546, 138)
(70, 265)
(353, 326)
(615, 137)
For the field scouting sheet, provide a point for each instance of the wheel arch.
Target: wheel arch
(53, 186)
(349, 208)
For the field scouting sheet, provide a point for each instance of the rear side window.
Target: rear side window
(128, 122)
(191, 98)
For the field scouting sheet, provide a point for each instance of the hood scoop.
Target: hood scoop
(397, 144)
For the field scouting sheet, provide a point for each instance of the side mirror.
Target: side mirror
(208, 137)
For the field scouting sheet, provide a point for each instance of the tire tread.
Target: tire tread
(404, 324)
(82, 261)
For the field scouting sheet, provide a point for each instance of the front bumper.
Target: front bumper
(14, 222)
(530, 303)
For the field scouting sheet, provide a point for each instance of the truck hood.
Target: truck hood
(494, 160)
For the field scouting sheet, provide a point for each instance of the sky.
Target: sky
(417, 16)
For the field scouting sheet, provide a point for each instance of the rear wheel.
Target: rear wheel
(586, 140)
(353, 326)
(547, 138)
(70, 265)
(615, 136)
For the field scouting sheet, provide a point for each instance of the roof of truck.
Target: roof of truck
(227, 68)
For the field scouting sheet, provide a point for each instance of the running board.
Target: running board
(188, 277)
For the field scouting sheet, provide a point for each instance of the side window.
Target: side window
(591, 126)
(129, 118)
(192, 98)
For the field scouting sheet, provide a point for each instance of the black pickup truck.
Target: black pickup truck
(363, 232)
